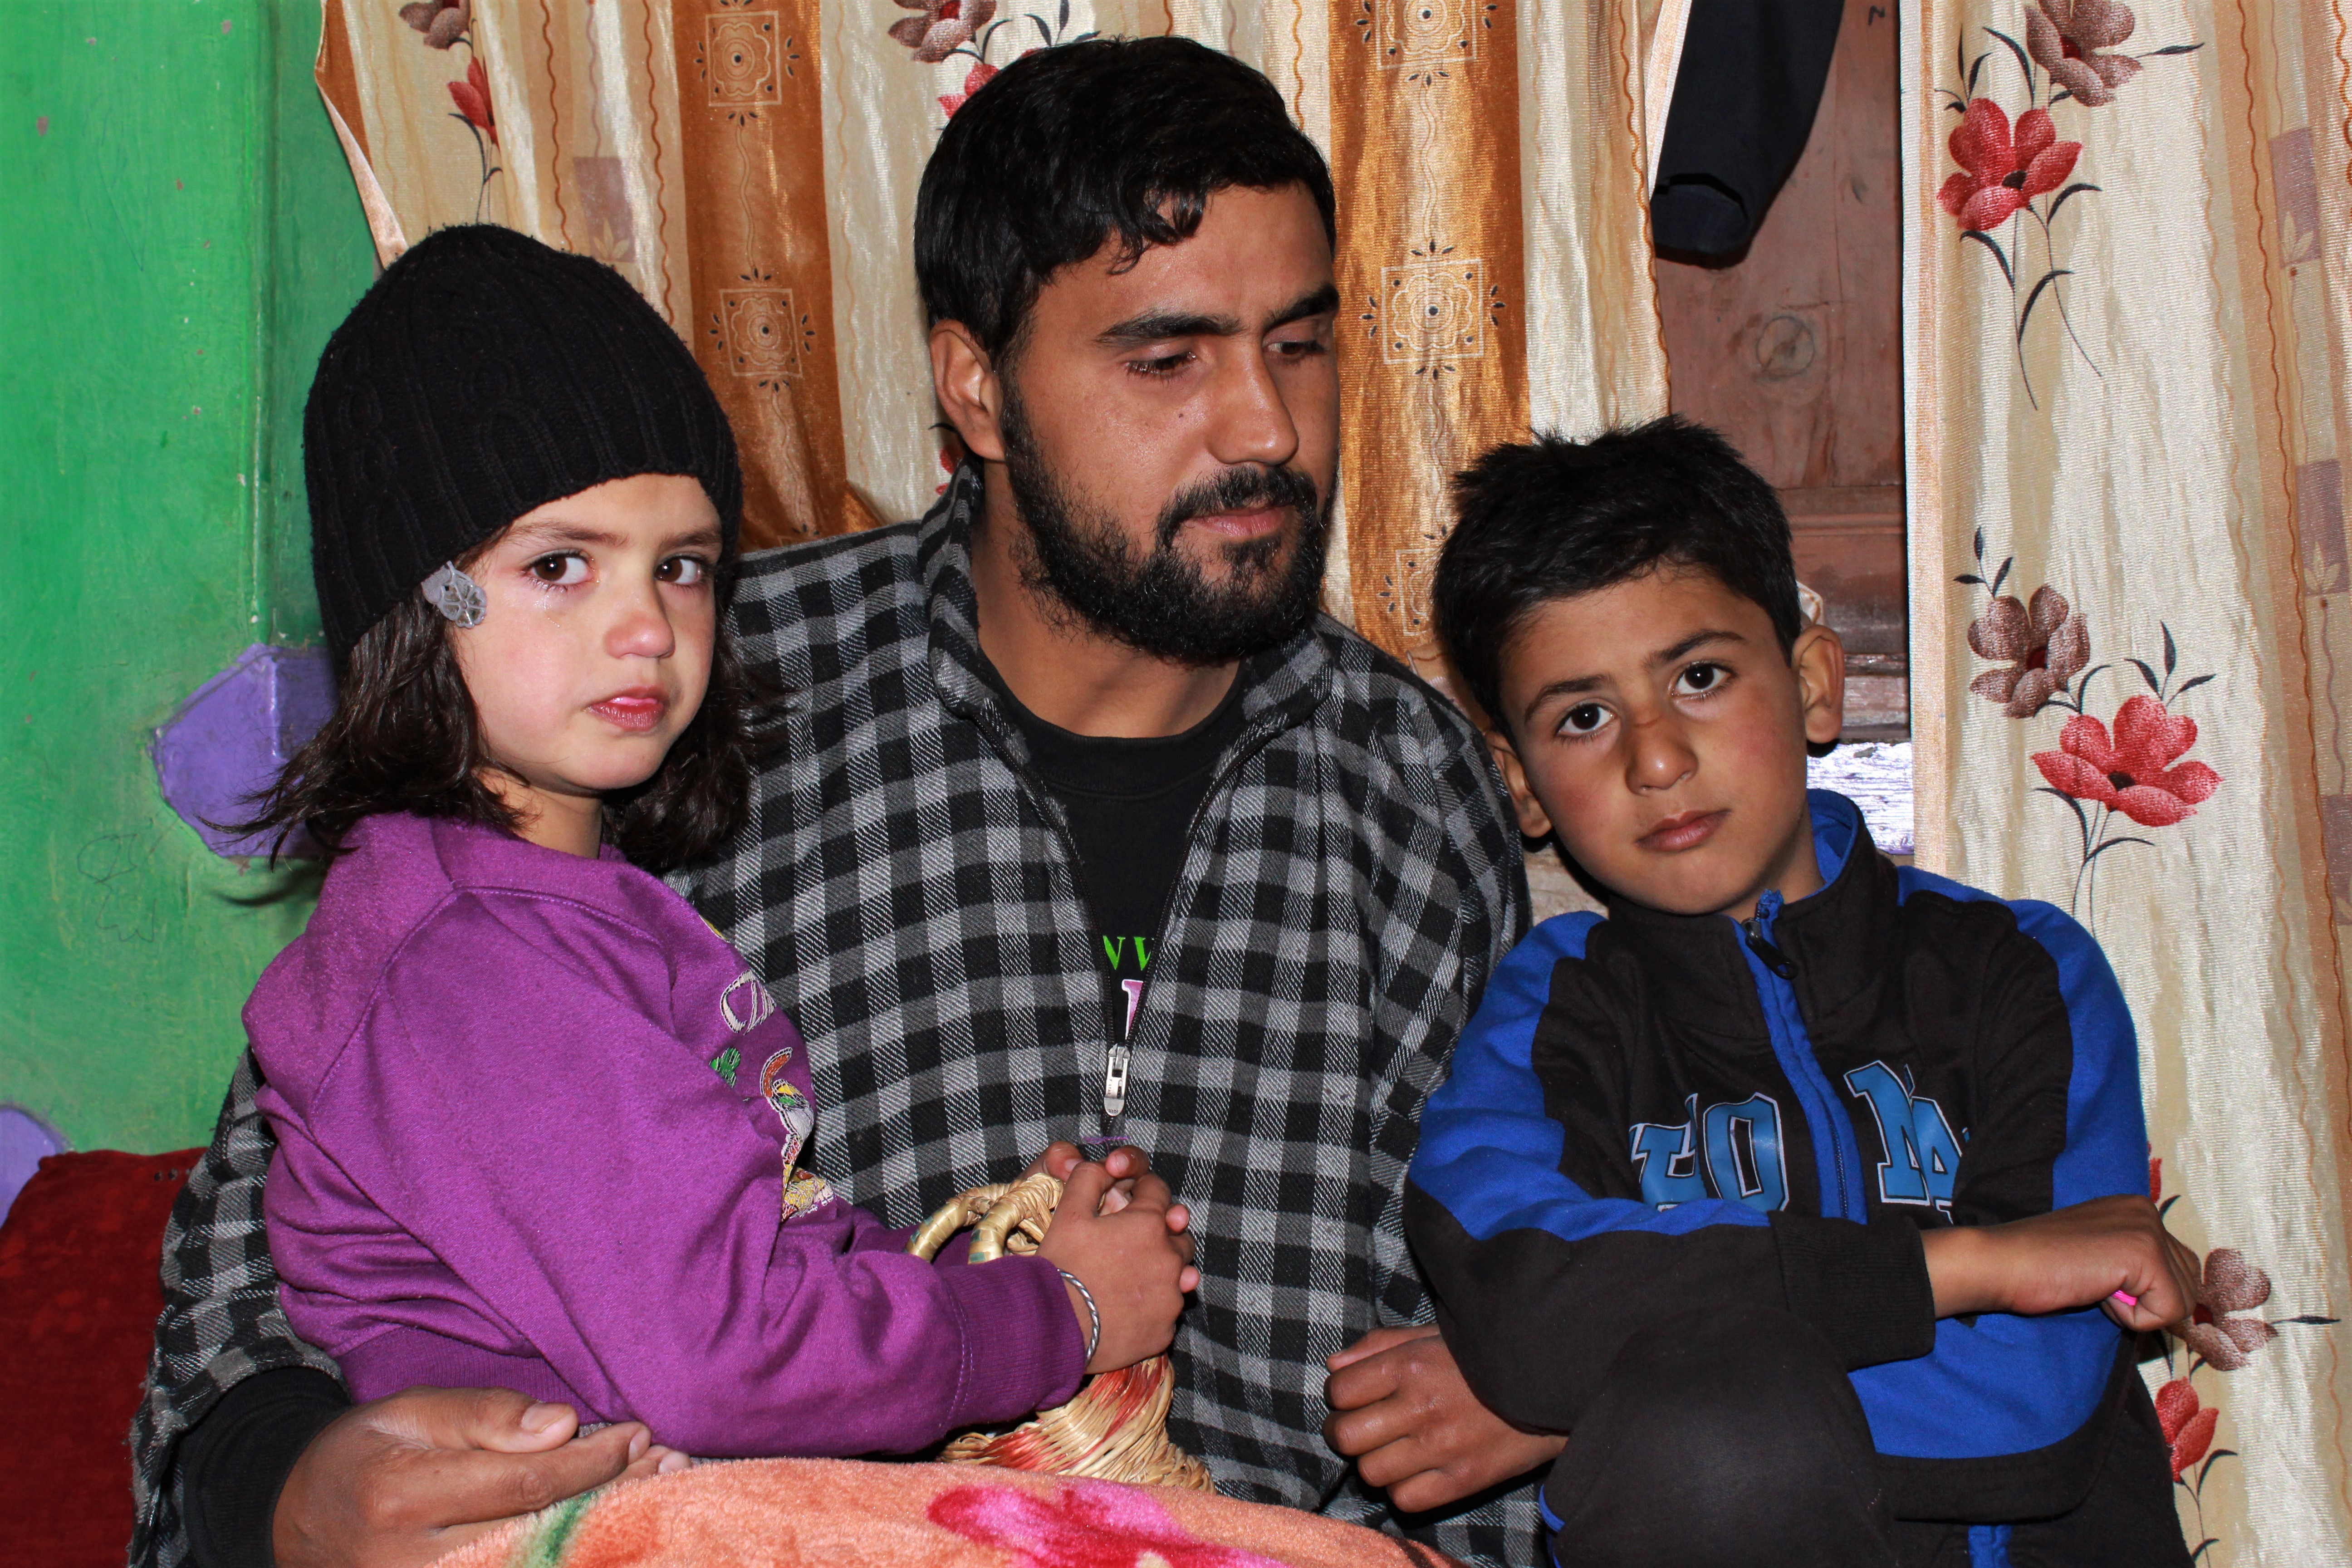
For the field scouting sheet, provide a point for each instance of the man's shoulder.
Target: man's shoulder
(1396, 705)
(790, 572)
(796, 607)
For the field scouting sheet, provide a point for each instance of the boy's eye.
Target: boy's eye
(1700, 678)
(682, 571)
(1584, 719)
(561, 570)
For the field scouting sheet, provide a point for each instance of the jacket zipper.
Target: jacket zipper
(1116, 1063)
(1118, 1059)
(1793, 1044)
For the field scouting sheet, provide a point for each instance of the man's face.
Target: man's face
(1656, 725)
(1170, 433)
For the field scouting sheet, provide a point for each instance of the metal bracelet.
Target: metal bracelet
(1093, 1313)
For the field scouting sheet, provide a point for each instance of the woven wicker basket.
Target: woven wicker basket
(1117, 1428)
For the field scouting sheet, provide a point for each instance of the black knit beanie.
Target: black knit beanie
(483, 375)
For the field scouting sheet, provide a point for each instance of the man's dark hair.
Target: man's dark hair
(1550, 518)
(1069, 147)
(404, 737)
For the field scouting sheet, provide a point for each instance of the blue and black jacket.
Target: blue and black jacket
(1651, 1114)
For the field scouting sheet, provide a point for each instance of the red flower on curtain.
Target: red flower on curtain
(2134, 772)
(2188, 1423)
(472, 97)
(980, 76)
(2041, 644)
(1085, 1524)
(2065, 38)
(2231, 1285)
(443, 21)
(944, 27)
(2001, 170)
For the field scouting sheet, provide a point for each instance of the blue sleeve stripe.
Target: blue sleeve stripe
(2107, 1130)
(1490, 1155)
(2004, 1384)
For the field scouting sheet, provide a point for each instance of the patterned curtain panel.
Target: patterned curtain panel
(752, 166)
(2130, 246)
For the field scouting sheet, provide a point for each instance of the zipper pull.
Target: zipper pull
(1114, 1083)
(1762, 947)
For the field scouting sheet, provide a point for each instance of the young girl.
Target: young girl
(538, 1126)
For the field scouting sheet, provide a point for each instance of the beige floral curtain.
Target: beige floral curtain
(2129, 235)
(752, 166)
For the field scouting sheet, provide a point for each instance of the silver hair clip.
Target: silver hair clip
(458, 597)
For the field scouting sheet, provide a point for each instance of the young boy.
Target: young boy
(1804, 1193)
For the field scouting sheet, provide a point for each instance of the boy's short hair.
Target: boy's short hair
(1549, 517)
(1069, 147)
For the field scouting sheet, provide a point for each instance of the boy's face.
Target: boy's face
(1656, 727)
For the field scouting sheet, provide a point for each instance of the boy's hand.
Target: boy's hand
(1400, 1409)
(2076, 1256)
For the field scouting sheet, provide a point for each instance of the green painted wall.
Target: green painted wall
(178, 235)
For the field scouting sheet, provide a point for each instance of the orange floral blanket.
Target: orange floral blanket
(801, 1513)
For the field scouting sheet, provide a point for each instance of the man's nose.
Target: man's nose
(1251, 422)
(1658, 755)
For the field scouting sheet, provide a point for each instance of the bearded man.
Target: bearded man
(1084, 826)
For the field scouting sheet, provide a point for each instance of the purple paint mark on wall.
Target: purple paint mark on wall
(24, 1142)
(234, 732)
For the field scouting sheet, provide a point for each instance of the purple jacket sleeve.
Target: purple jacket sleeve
(580, 1176)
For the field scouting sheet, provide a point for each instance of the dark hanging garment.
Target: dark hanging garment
(1751, 77)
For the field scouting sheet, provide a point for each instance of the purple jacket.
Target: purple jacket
(526, 1139)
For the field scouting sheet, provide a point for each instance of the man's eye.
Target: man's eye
(562, 571)
(1700, 678)
(1161, 366)
(1584, 719)
(683, 571)
(1299, 348)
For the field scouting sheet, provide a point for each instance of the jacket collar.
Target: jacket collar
(1840, 939)
(1285, 684)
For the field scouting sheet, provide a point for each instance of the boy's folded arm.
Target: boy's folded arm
(1540, 1282)
(653, 1275)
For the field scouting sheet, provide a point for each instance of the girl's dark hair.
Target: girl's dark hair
(404, 737)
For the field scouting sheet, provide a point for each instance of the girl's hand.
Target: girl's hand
(1127, 1163)
(1133, 1260)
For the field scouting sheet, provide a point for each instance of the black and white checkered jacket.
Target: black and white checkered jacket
(910, 892)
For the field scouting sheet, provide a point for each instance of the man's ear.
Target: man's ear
(1818, 656)
(1534, 821)
(964, 378)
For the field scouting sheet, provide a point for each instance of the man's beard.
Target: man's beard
(1162, 605)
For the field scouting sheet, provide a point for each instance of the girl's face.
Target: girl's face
(594, 651)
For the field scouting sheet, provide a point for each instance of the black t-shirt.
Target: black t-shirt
(1129, 805)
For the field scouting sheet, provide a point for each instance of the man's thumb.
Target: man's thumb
(505, 1422)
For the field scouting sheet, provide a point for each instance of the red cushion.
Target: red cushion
(79, 1296)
